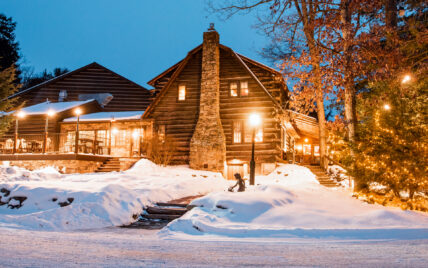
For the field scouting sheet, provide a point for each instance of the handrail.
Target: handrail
(335, 162)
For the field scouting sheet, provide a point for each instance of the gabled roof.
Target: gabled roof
(60, 77)
(178, 67)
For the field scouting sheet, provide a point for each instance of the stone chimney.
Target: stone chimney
(208, 143)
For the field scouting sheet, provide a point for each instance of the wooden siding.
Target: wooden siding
(91, 79)
(239, 108)
(180, 117)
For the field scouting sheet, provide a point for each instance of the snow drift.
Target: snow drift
(290, 203)
(54, 201)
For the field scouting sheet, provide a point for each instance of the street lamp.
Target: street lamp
(77, 112)
(254, 121)
(19, 115)
(387, 107)
(49, 113)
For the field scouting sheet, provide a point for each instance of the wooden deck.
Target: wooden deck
(35, 157)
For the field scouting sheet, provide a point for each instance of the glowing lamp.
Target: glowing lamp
(21, 114)
(135, 134)
(406, 79)
(77, 111)
(114, 131)
(50, 112)
(306, 140)
(387, 107)
(255, 119)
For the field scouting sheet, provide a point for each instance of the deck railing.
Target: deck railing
(52, 143)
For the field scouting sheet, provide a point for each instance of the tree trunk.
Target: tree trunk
(350, 111)
(391, 13)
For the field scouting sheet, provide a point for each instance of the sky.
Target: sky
(136, 38)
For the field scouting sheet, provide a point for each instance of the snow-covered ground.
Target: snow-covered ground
(116, 247)
(288, 203)
(83, 201)
(291, 203)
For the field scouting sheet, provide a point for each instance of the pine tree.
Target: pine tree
(7, 88)
(393, 146)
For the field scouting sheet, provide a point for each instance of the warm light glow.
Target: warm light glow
(135, 134)
(299, 147)
(255, 119)
(387, 107)
(114, 131)
(406, 79)
(51, 113)
(77, 111)
(306, 140)
(21, 114)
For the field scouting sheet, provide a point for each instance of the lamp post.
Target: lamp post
(254, 121)
(19, 115)
(50, 113)
(77, 112)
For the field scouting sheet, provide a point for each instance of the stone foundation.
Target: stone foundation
(64, 166)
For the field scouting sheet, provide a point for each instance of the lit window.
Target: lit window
(237, 132)
(244, 88)
(181, 92)
(161, 133)
(249, 133)
(234, 89)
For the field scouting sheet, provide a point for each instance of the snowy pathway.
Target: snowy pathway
(114, 247)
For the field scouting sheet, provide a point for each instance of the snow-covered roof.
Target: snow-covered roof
(107, 116)
(44, 107)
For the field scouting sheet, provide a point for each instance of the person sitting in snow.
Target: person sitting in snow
(240, 183)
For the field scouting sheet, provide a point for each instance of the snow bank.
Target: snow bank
(83, 201)
(290, 203)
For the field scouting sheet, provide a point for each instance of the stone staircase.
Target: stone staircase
(111, 164)
(159, 215)
(322, 176)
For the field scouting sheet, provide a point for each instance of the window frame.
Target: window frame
(239, 88)
(250, 132)
(178, 92)
(241, 128)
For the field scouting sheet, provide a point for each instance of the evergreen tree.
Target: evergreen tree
(7, 88)
(9, 50)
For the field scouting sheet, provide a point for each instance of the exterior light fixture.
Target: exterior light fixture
(406, 79)
(77, 111)
(50, 113)
(135, 134)
(306, 140)
(21, 114)
(387, 107)
(254, 120)
(114, 131)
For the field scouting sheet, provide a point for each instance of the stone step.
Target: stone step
(167, 217)
(160, 204)
(168, 211)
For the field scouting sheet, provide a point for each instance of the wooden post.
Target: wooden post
(94, 142)
(253, 162)
(15, 142)
(76, 142)
(45, 140)
(109, 138)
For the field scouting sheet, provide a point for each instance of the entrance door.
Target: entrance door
(233, 169)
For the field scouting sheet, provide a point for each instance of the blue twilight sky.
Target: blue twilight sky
(135, 38)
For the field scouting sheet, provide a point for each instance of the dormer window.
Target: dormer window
(239, 89)
(181, 92)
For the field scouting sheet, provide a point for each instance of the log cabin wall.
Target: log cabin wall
(92, 79)
(239, 108)
(180, 117)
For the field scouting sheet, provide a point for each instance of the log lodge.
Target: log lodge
(201, 105)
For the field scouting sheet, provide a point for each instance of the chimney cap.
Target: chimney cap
(211, 28)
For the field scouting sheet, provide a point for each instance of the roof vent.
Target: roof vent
(102, 98)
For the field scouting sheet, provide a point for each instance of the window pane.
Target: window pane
(182, 92)
(161, 133)
(237, 133)
(234, 89)
(244, 88)
(249, 133)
